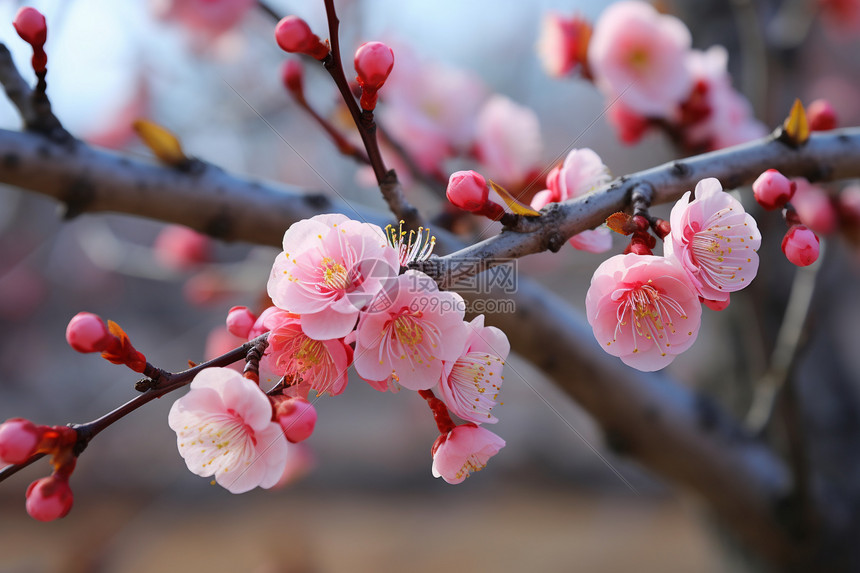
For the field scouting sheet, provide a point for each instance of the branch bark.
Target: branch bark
(825, 156)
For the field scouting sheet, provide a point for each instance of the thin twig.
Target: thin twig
(166, 382)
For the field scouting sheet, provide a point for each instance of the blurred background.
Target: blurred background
(547, 502)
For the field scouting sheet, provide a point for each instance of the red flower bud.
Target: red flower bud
(240, 320)
(468, 190)
(19, 439)
(373, 64)
(801, 246)
(297, 417)
(294, 36)
(87, 332)
(31, 26)
(773, 190)
(49, 498)
(821, 116)
(292, 74)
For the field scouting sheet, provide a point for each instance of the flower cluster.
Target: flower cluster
(340, 300)
(642, 61)
(647, 309)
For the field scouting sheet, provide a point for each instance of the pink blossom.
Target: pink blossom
(801, 246)
(208, 17)
(430, 108)
(463, 451)
(714, 240)
(773, 190)
(297, 417)
(319, 365)
(582, 172)
(31, 26)
(330, 269)
(180, 248)
(408, 333)
(224, 428)
(19, 439)
(562, 43)
(728, 115)
(643, 309)
(637, 55)
(508, 141)
(49, 498)
(470, 384)
(814, 207)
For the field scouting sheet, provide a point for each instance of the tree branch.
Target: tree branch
(669, 429)
(826, 156)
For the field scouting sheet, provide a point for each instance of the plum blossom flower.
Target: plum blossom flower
(728, 119)
(430, 108)
(643, 309)
(582, 172)
(224, 428)
(319, 365)
(330, 269)
(714, 240)
(508, 141)
(463, 451)
(471, 383)
(637, 55)
(563, 43)
(407, 339)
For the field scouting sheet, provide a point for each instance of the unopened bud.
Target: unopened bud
(31, 26)
(87, 332)
(19, 439)
(773, 190)
(292, 74)
(294, 36)
(240, 320)
(822, 116)
(468, 190)
(297, 417)
(49, 498)
(801, 246)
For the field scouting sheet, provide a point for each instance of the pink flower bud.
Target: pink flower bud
(468, 190)
(292, 74)
(373, 63)
(31, 26)
(294, 36)
(772, 189)
(297, 417)
(87, 332)
(240, 320)
(822, 116)
(49, 498)
(19, 439)
(800, 246)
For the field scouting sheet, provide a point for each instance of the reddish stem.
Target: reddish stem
(164, 383)
(440, 412)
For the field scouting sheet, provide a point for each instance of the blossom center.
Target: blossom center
(407, 328)
(648, 312)
(334, 274)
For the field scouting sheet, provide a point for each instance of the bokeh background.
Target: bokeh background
(547, 502)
